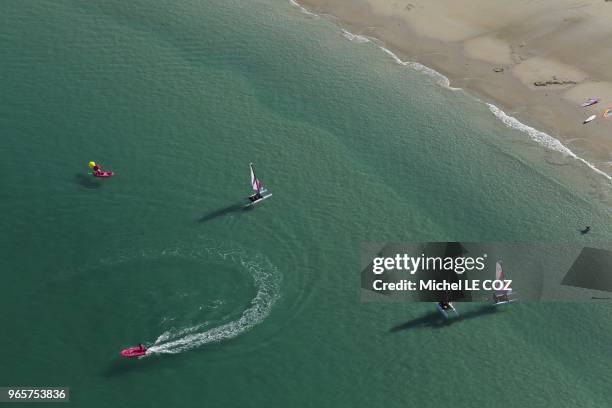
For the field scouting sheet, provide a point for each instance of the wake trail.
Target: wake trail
(267, 282)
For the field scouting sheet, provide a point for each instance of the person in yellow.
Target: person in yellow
(94, 167)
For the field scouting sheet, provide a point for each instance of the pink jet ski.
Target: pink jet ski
(103, 173)
(134, 351)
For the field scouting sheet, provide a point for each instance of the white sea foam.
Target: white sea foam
(354, 37)
(438, 77)
(303, 9)
(540, 137)
(267, 282)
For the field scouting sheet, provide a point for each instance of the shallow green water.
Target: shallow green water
(261, 308)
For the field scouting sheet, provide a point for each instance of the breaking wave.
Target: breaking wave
(540, 137)
(432, 73)
(354, 37)
(438, 77)
(303, 9)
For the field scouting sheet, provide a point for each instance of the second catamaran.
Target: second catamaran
(260, 191)
(501, 297)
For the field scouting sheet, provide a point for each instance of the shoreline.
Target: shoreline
(502, 86)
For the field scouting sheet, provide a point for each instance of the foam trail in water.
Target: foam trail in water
(267, 283)
(540, 137)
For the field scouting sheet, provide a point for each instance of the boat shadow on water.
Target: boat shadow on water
(125, 366)
(436, 321)
(122, 366)
(238, 208)
(88, 181)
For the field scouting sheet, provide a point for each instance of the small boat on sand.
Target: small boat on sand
(589, 119)
(589, 102)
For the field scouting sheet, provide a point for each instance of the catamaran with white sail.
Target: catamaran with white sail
(260, 191)
(501, 297)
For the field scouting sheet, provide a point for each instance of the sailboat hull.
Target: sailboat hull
(505, 302)
(252, 203)
(444, 313)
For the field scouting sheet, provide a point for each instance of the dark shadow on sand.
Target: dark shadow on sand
(436, 320)
(238, 208)
(88, 181)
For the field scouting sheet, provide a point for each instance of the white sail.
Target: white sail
(499, 276)
(255, 183)
(499, 272)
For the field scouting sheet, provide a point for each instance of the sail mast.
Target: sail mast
(255, 183)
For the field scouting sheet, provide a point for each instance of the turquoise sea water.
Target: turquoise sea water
(262, 307)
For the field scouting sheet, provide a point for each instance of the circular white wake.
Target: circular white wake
(267, 283)
(266, 280)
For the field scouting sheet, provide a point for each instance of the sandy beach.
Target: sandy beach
(535, 59)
